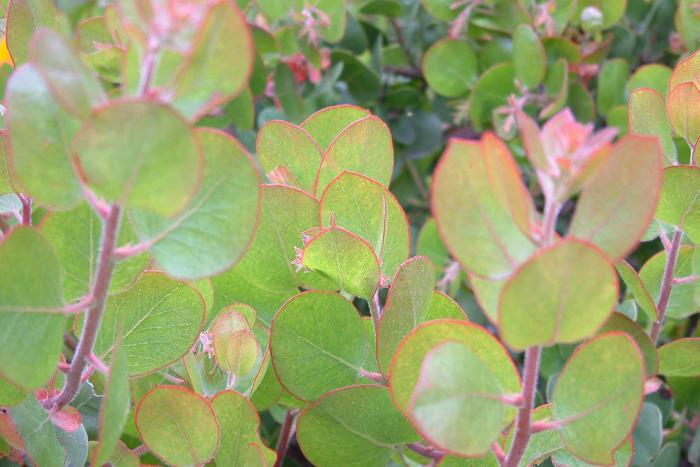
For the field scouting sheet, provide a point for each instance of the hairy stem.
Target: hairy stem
(666, 285)
(523, 430)
(93, 317)
(375, 308)
(285, 436)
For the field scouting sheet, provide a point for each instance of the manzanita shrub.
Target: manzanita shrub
(165, 297)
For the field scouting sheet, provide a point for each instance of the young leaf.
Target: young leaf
(360, 423)
(327, 123)
(528, 56)
(37, 433)
(685, 71)
(366, 208)
(160, 320)
(288, 154)
(456, 404)
(481, 206)
(539, 305)
(75, 237)
(450, 67)
(24, 17)
(238, 426)
(651, 76)
(155, 167)
(72, 83)
(177, 425)
(31, 322)
(628, 182)
(346, 259)
(405, 369)
(215, 73)
(265, 277)
(216, 227)
(115, 407)
(594, 422)
(364, 147)
(679, 203)
(40, 134)
(647, 116)
(680, 358)
(318, 343)
(682, 107)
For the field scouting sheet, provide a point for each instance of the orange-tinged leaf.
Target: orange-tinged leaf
(647, 116)
(481, 206)
(687, 70)
(616, 207)
(683, 108)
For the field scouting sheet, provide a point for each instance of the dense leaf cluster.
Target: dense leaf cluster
(350, 232)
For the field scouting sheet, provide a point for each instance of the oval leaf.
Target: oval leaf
(680, 358)
(647, 116)
(450, 67)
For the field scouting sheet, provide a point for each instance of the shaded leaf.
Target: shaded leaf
(680, 357)
(450, 67)
(679, 203)
(528, 56)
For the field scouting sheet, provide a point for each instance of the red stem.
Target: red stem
(26, 209)
(93, 316)
(426, 451)
(523, 430)
(666, 285)
(285, 437)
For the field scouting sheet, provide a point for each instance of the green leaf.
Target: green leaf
(648, 433)
(115, 407)
(620, 322)
(10, 394)
(616, 206)
(216, 227)
(121, 457)
(238, 426)
(682, 107)
(491, 91)
(212, 74)
(159, 318)
(482, 207)
(359, 422)
(344, 258)
(405, 369)
(407, 304)
(265, 277)
(24, 17)
(362, 81)
(177, 425)
(680, 358)
(75, 237)
(429, 244)
(31, 301)
(364, 147)
(288, 154)
(647, 116)
(541, 444)
(335, 10)
(141, 154)
(456, 404)
(365, 208)
(327, 123)
(450, 67)
(623, 457)
(37, 433)
(6, 183)
(72, 83)
(40, 134)
(679, 199)
(557, 84)
(318, 343)
(287, 93)
(529, 58)
(637, 287)
(441, 9)
(653, 75)
(596, 422)
(682, 302)
(611, 84)
(538, 305)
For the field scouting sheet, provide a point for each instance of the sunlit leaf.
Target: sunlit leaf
(177, 425)
(24, 17)
(238, 426)
(539, 306)
(682, 106)
(596, 422)
(620, 322)
(327, 123)
(318, 343)
(679, 204)
(680, 358)
(682, 302)
(615, 207)
(647, 116)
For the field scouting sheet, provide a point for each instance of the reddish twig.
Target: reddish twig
(426, 451)
(666, 285)
(285, 436)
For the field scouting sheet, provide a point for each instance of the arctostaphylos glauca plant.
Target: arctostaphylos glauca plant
(167, 299)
